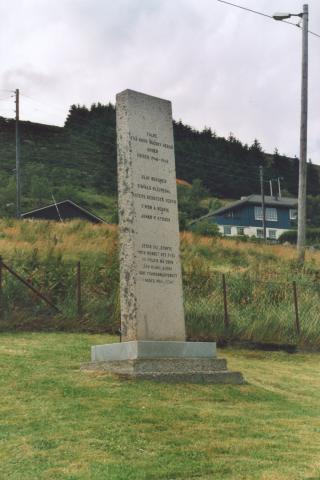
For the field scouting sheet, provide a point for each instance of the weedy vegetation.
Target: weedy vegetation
(258, 278)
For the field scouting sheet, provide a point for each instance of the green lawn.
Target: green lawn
(57, 422)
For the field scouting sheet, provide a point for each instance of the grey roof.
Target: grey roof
(255, 200)
(283, 201)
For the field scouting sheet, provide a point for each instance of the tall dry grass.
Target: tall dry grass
(46, 253)
(71, 239)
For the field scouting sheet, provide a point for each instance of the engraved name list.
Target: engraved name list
(155, 206)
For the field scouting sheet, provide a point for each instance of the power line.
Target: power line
(51, 107)
(254, 11)
(315, 34)
(245, 8)
(264, 15)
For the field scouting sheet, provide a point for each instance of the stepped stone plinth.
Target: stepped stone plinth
(168, 361)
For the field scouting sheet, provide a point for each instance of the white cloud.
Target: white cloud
(220, 66)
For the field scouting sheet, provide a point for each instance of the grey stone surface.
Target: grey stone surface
(171, 370)
(230, 378)
(152, 349)
(163, 365)
(150, 270)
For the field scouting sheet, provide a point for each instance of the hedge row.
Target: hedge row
(313, 236)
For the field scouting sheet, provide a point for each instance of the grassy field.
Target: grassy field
(75, 240)
(259, 283)
(57, 422)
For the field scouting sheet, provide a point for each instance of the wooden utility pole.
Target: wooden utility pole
(263, 204)
(296, 308)
(1, 295)
(18, 176)
(302, 198)
(79, 305)
(279, 187)
(225, 301)
(271, 189)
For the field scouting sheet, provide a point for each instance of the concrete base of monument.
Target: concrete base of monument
(152, 349)
(192, 362)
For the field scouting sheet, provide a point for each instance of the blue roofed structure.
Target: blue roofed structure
(244, 217)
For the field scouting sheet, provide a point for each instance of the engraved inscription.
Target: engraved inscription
(157, 263)
(150, 271)
(150, 187)
(154, 200)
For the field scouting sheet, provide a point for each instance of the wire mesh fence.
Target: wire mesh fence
(234, 306)
(85, 294)
(242, 307)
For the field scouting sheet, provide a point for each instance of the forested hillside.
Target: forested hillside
(78, 161)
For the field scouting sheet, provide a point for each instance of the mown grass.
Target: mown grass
(57, 422)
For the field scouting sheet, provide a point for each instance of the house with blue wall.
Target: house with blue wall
(244, 217)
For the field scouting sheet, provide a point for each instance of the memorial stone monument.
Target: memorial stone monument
(152, 317)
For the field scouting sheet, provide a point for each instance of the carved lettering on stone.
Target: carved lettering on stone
(150, 282)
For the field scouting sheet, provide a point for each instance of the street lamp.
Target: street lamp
(283, 16)
(303, 130)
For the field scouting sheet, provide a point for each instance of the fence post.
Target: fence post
(296, 309)
(1, 297)
(79, 305)
(225, 301)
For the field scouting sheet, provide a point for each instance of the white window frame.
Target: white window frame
(229, 214)
(271, 214)
(293, 214)
(258, 213)
(273, 235)
(227, 227)
(259, 232)
(242, 230)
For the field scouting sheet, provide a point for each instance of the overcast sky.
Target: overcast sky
(220, 66)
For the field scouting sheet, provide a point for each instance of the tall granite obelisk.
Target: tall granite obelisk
(152, 319)
(150, 282)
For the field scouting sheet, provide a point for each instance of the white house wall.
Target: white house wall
(250, 231)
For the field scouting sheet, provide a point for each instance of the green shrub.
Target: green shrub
(312, 236)
(289, 236)
(205, 227)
